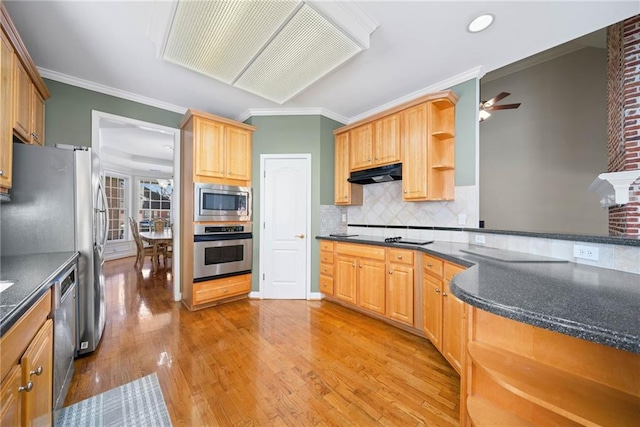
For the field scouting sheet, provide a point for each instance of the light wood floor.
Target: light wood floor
(264, 362)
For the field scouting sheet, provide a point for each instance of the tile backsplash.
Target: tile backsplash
(383, 205)
(331, 219)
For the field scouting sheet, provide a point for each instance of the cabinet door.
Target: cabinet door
(386, 148)
(10, 399)
(344, 285)
(432, 309)
(37, 367)
(238, 152)
(361, 147)
(400, 293)
(371, 285)
(6, 110)
(22, 101)
(452, 318)
(342, 195)
(37, 117)
(414, 141)
(209, 148)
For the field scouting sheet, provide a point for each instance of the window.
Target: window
(115, 190)
(155, 201)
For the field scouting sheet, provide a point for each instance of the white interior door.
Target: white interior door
(285, 226)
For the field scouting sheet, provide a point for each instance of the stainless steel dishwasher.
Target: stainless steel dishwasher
(64, 333)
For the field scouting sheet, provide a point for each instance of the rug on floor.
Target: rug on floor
(138, 403)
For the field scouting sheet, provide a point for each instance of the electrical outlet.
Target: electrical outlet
(480, 239)
(585, 252)
(344, 217)
(462, 219)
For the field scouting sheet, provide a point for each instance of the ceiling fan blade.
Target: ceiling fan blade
(503, 107)
(495, 99)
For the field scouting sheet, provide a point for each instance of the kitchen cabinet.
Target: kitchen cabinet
(400, 284)
(22, 98)
(525, 375)
(376, 143)
(428, 137)
(37, 117)
(222, 152)
(360, 276)
(214, 290)
(326, 267)
(346, 193)
(26, 353)
(443, 313)
(6, 111)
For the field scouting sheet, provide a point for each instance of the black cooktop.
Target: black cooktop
(407, 241)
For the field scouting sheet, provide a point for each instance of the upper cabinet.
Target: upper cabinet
(345, 193)
(375, 144)
(221, 148)
(419, 134)
(22, 97)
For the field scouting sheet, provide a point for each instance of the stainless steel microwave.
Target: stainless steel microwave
(214, 202)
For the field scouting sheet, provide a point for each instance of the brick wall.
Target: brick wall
(623, 129)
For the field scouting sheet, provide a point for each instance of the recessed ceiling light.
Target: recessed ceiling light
(482, 22)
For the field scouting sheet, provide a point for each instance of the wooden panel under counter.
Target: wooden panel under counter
(215, 291)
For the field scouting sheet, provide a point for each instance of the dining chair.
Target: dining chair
(142, 249)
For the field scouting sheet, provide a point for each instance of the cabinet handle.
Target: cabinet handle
(437, 290)
(353, 265)
(345, 197)
(376, 158)
(360, 265)
(405, 191)
(26, 388)
(444, 294)
(390, 271)
(399, 256)
(369, 159)
(225, 291)
(1, 172)
(37, 372)
(429, 264)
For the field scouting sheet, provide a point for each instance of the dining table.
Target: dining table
(158, 239)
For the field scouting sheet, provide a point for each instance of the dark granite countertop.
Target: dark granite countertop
(591, 303)
(34, 274)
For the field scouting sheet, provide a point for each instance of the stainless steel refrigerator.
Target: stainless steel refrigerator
(58, 204)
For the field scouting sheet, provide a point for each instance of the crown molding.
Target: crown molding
(107, 90)
(255, 112)
(474, 73)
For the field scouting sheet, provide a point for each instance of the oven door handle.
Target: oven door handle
(218, 237)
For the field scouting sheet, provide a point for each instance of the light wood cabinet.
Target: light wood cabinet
(26, 368)
(6, 112)
(37, 117)
(400, 286)
(222, 152)
(376, 143)
(521, 375)
(414, 136)
(371, 285)
(346, 193)
(360, 276)
(443, 313)
(361, 147)
(220, 289)
(344, 286)
(326, 267)
(22, 102)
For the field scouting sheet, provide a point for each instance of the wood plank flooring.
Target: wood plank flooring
(265, 362)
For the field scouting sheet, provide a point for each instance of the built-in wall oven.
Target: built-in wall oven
(221, 250)
(215, 202)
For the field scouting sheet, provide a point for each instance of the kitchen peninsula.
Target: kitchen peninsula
(569, 326)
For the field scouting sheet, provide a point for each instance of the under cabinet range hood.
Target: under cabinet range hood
(374, 175)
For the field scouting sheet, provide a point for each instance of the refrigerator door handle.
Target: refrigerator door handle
(101, 202)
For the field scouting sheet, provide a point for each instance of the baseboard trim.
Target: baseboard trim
(314, 296)
(255, 295)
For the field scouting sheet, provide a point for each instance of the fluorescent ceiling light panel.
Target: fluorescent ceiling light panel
(307, 48)
(219, 38)
(274, 49)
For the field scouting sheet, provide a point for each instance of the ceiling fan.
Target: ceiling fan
(490, 105)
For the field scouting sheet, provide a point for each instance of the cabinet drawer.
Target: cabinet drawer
(326, 269)
(221, 288)
(451, 270)
(363, 251)
(433, 265)
(326, 245)
(326, 284)
(326, 257)
(401, 256)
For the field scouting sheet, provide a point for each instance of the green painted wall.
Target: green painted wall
(466, 124)
(68, 113)
(295, 135)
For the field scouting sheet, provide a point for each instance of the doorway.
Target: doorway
(285, 226)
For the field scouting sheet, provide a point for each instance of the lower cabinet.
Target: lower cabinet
(326, 267)
(400, 283)
(26, 396)
(360, 276)
(215, 290)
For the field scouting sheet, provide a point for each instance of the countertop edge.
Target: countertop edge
(580, 330)
(19, 310)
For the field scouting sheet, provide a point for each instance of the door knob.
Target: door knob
(300, 236)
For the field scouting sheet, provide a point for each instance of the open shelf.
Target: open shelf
(574, 397)
(441, 134)
(484, 413)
